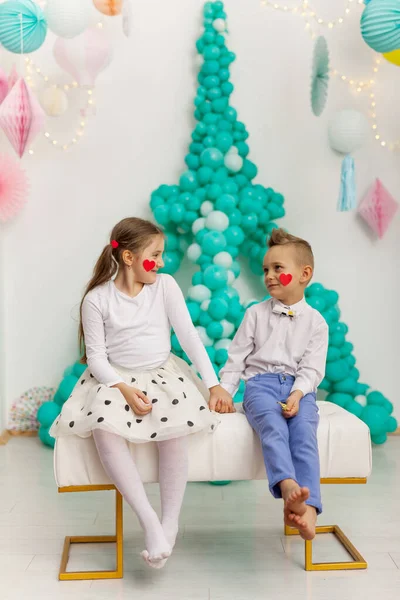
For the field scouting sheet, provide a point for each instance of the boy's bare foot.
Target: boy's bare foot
(295, 502)
(305, 523)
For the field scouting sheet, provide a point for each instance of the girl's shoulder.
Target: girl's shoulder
(99, 293)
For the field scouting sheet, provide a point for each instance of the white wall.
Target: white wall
(138, 140)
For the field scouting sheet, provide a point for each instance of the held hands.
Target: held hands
(137, 400)
(220, 400)
(292, 404)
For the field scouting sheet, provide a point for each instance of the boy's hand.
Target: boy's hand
(220, 400)
(293, 404)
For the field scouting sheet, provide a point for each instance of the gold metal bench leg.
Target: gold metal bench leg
(65, 575)
(358, 561)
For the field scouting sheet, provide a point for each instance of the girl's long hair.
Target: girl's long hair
(131, 234)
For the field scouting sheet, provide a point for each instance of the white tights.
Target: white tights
(119, 465)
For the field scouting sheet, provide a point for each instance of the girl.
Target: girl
(134, 389)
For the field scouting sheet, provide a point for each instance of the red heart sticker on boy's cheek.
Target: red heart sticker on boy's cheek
(285, 279)
(149, 264)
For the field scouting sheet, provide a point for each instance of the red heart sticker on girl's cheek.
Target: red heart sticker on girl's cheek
(149, 264)
(285, 279)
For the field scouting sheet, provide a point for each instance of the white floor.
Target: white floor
(231, 545)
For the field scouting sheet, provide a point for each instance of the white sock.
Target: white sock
(173, 474)
(120, 467)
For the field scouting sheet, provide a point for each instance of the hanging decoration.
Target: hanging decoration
(23, 26)
(13, 77)
(393, 57)
(23, 413)
(380, 25)
(378, 208)
(347, 132)
(67, 18)
(54, 101)
(21, 117)
(127, 17)
(13, 187)
(320, 76)
(84, 56)
(3, 85)
(111, 8)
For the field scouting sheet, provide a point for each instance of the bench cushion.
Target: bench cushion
(233, 452)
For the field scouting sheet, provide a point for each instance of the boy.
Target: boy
(280, 351)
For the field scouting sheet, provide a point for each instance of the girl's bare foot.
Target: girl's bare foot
(305, 523)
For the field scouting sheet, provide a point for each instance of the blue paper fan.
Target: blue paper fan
(320, 76)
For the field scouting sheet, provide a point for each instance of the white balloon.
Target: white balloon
(54, 101)
(199, 292)
(228, 328)
(223, 259)
(231, 277)
(204, 305)
(198, 225)
(203, 336)
(233, 150)
(217, 220)
(206, 208)
(347, 131)
(219, 25)
(193, 252)
(222, 344)
(233, 162)
(67, 18)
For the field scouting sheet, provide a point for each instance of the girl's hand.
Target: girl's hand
(137, 400)
(220, 400)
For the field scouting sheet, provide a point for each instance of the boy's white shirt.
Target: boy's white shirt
(268, 341)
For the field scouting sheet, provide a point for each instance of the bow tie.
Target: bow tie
(284, 310)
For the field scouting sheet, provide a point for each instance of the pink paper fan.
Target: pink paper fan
(21, 116)
(378, 208)
(3, 85)
(13, 187)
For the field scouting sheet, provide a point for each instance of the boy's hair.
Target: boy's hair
(131, 234)
(304, 253)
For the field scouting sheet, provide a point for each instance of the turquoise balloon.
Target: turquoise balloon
(391, 425)
(197, 278)
(346, 349)
(205, 319)
(192, 161)
(172, 262)
(337, 339)
(347, 385)
(220, 176)
(204, 175)
(66, 387)
(45, 437)
(218, 308)
(225, 203)
(339, 399)
(79, 369)
(337, 371)
(213, 242)
(375, 417)
(210, 67)
(333, 354)
(234, 236)
(211, 52)
(215, 277)
(211, 82)
(376, 398)
(34, 26)
(161, 214)
(58, 398)
(379, 438)
(317, 302)
(212, 157)
(249, 169)
(221, 356)
(315, 289)
(194, 311)
(156, 201)
(331, 297)
(220, 104)
(224, 141)
(354, 407)
(188, 181)
(215, 330)
(213, 191)
(47, 413)
(361, 389)
(175, 343)
(325, 385)
(211, 352)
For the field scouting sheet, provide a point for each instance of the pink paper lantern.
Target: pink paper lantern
(21, 117)
(378, 208)
(84, 56)
(3, 85)
(13, 77)
(13, 187)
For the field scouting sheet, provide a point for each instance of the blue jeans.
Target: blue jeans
(289, 446)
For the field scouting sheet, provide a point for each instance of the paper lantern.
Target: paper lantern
(67, 18)
(347, 131)
(23, 411)
(34, 27)
(3, 85)
(13, 187)
(84, 56)
(127, 17)
(320, 76)
(111, 8)
(378, 208)
(380, 25)
(21, 116)
(13, 77)
(54, 101)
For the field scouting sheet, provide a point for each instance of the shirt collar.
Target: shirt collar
(297, 308)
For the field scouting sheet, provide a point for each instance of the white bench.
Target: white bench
(232, 452)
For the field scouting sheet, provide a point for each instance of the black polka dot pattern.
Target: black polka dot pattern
(99, 389)
(184, 395)
(144, 392)
(154, 400)
(107, 402)
(175, 401)
(202, 408)
(154, 381)
(127, 407)
(72, 423)
(190, 423)
(133, 380)
(91, 376)
(181, 379)
(129, 424)
(160, 375)
(164, 420)
(83, 381)
(89, 413)
(153, 435)
(139, 420)
(164, 382)
(100, 419)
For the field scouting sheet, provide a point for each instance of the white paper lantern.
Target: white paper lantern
(199, 293)
(223, 259)
(204, 337)
(198, 225)
(67, 18)
(217, 220)
(194, 252)
(54, 101)
(206, 208)
(347, 131)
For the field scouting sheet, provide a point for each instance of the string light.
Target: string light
(305, 10)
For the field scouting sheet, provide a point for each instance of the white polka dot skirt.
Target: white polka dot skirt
(177, 395)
